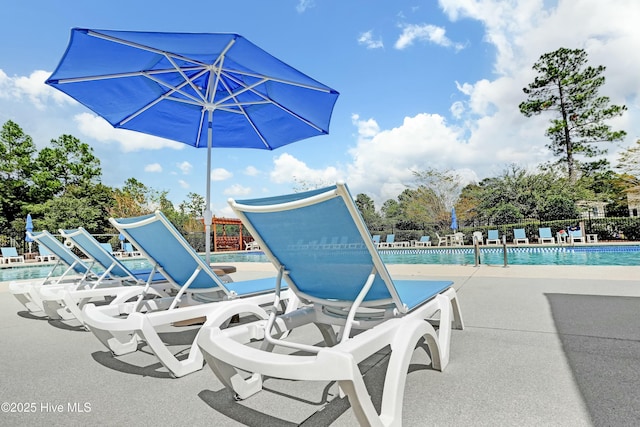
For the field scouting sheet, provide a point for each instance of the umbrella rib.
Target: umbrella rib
(187, 79)
(277, 104)
(121, 75)
(228, 72)
(177, 88)
(157, 100)
(143, 47)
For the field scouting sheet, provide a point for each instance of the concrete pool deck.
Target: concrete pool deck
(543, 345)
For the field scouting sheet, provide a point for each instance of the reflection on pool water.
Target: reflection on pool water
(628, 255)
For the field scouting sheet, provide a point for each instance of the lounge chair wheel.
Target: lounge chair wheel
(237, 397)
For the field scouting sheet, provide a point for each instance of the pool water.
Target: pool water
(628, 255)
(39, 271)
(563, 255)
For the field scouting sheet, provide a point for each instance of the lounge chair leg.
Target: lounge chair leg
(402, 349)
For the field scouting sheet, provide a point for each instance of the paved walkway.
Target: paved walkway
(543, 346)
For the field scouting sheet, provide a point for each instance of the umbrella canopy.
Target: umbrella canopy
(204, 90)
(454, 219)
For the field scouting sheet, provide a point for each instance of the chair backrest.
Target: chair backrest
(518, 233)
(43, 251)
(128, 247)
(493, 235)
(478, 235)
(9, 252)
(107, 247)
(425, 239)
(163, 245)
(376, 238)
(94, 250)
(319, 273)
(391, 238)
(545, 232)
(60, 250)
(575, 233)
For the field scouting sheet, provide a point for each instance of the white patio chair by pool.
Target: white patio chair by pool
(423, 242)
(9, 255)
(117, 283)
(346, 290)
(545, 236)
(201, 295)
(576, 236)
(493, 237)
(44, 254)
(76, 274)
(519, 236)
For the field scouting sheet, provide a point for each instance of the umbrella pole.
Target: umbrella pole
(207, 208)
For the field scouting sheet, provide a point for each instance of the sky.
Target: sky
(423, 84)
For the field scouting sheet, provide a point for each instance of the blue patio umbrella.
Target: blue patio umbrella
(29, 229)
(121, 238)
(454, 219)
(204, 90)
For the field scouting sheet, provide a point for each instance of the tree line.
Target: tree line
(60, 186)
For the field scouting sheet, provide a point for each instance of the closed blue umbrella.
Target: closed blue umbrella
(204, 90)
(454, 219)
(121, 238)
(29, 229)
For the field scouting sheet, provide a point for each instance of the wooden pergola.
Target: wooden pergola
(224, 242)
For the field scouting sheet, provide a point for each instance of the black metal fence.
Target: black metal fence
(614, 229)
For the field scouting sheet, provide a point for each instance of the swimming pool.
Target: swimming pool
(628, 255)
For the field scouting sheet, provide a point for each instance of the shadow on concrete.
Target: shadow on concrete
(600, 336)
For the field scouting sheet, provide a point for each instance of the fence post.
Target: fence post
(504, 249)
(476, 251)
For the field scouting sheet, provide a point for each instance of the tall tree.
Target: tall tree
(68, 162)
(629, 164)
(433, 197)
(16, 167)
(367, 209)
(568, 87)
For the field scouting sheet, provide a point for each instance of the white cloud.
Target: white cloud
(366, 128)
(32, 88)
(183, 184)
(99, 129)
(303, 5)
(185, 167)
(251, 171)
(288, 169)
(426, 33)
(237, 190)
(366, 39)
(153, 167)
(220, 174)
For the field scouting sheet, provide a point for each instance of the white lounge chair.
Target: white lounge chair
(441, 240)
(44, 254)
(389, 242)
(9, 255)
(349, 289)
(423, 242)
(121, 327)
(519, 236)
(493, 237)
(545, 236)
(576, 236)
(76, 275)
(116, 283)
